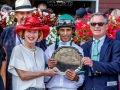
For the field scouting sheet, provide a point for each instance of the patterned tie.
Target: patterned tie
(95, 50)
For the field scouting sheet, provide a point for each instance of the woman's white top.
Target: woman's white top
(24, 59)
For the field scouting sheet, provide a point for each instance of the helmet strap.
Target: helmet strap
(57, 41)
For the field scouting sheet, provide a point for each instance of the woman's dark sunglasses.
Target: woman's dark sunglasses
(99, 24)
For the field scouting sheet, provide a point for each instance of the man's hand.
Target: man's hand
(87, 61)
(51, 63)
(71, 75)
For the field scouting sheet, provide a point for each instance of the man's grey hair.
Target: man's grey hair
(5, 6)
(99, 14)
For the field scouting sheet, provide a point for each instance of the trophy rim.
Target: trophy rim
(53, 54)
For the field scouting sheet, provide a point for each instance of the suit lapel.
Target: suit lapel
(104, 48)
(89, 47)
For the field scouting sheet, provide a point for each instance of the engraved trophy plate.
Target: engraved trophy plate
(67, 58)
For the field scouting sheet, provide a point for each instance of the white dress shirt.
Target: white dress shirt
(60, 82)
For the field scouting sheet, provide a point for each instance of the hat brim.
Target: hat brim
(45, 29)
(59, 26)
(23, 10)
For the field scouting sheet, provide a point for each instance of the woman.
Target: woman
(27, 60)
(2, 69)
(2, 66)
(115, 13)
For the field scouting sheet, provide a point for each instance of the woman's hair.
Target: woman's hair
(1, 29)
(109, 11)
(40, 35)
(2, 53)
(115, 13)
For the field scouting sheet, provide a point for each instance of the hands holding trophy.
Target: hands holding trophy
(67, 60)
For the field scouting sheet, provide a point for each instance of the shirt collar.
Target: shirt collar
(61, 43)
(101, 39)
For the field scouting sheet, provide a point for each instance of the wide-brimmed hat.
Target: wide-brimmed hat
(23, 5)
(33, 23)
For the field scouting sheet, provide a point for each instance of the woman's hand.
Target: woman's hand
(27, 75)
(51, 72)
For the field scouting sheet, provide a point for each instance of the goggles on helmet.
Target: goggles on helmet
(65, 22)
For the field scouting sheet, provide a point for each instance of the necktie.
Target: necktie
(95, 50)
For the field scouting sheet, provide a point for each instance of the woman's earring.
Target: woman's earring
(23, 37)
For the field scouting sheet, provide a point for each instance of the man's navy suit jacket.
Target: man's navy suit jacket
(106, 69)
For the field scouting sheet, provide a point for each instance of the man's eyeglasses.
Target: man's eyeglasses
(65, 22)
(99, 24)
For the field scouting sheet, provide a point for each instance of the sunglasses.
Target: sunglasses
(99, 24)
(65, 22)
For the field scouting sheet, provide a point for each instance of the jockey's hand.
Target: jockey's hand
(71, 75)
(51, 63)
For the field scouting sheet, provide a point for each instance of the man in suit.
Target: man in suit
(23, 9)
(102, 57)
